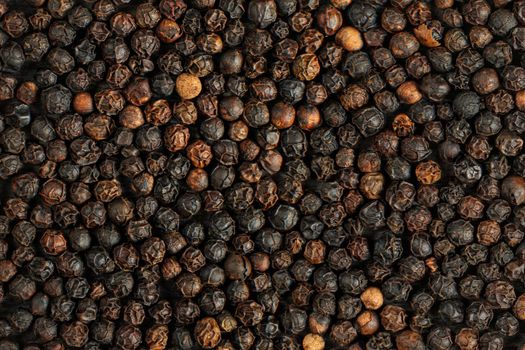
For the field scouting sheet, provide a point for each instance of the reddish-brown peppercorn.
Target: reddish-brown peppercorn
(428, 172)
(7, 270)
(308, 117)
(282, 115)
(315, 251)
(199, 153)
(168, 31)
(393, 318)
(27, 92)
(429, 34)
(53, 242)
(83, 103)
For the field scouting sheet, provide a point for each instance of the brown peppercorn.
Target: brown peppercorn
(75, 334)
(156, 337)
(349, 38)
(308, 117)
(409, 93)
(409, 340)
(197, 180)
(520, 100)
(372, 298)
(53, 192)
(237, 267)
(131, 117)
(329, 19)
(138, 92)
(185, 112)
(27, 92)
(513, 189)
(199, 153)
(306, 66)
(369, 162)
(403, 45)
(53, 242)
(367, 323)
(485, 81)
(188, 86)
(83, 103)
(519, 307)
(480, 36)
(168, 31)
(170, 268)
(158, 112)
(371, 185)
(315, 251)
(393, 318)
(99, 127)
(429, 34)
(467, 339)
(271, 161)
(207, 333)
(7, 270)
(176, 137)
(353, 97)
(428, 172)
(341, 4)
(403, 125)
(313, 342)
(488, 232)
(238, 131)
(282, 115)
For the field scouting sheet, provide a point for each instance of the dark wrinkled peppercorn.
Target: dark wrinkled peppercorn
(355, 166)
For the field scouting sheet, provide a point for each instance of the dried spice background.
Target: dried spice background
(262, 174)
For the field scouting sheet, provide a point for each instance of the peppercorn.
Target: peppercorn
(372, 298)
(349, 38)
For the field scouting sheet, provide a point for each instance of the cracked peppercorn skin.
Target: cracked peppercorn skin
(178, 173)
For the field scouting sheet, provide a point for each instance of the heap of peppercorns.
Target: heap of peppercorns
(262, 174)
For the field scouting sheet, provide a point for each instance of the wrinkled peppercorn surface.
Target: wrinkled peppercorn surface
(262, 174)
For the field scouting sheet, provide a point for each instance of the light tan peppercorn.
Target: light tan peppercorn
(313, 342)
(409, 93)
(372, 298)
(188, 86)
(349, 38)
